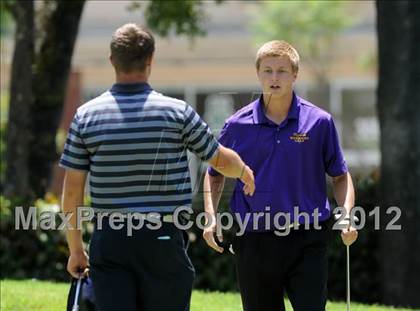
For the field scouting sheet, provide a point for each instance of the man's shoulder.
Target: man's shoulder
(164, 99)
(108, 100)
(94, 103)
(312, 111)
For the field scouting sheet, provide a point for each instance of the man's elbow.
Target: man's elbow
(341, 178)
(216, 160)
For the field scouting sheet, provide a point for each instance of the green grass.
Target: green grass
(47, 296)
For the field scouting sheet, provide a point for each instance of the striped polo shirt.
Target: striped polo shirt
(133, 141)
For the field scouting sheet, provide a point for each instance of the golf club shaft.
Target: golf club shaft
(348, 278)
(76, 297)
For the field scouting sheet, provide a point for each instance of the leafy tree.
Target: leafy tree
(310, 26)
(182, 17)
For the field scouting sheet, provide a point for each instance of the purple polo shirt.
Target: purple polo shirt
(289, 161)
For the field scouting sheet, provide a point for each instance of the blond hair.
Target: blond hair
(131, 46)
(278, 48)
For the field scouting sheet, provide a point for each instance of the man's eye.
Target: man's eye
(267, 70)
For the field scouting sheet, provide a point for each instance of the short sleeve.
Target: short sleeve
(75, 154)
(223, 140)
(334, 162)
(197, 135)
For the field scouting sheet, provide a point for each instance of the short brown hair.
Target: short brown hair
(278, 48)
(131, 46)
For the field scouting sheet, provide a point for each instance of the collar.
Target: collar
(137, 87)
(258, 110)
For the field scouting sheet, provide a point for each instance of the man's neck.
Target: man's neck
(277, 108)
(130, 78)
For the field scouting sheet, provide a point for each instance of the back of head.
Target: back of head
(131, 47)
(278, 48)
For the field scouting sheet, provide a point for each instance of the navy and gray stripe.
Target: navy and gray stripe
(134, 143)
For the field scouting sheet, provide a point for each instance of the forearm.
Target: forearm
(74, 235)
(344, 191)
(213, 189)
(73, 198)
(228, 163)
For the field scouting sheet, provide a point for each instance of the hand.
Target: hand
(208, 235)
(248, 179)
(78, 264)
(349, 235)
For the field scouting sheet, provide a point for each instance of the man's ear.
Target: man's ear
(257, 73)
(111, 60)
(295, 75)
(149, 61)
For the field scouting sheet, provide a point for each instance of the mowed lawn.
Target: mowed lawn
(47, 296)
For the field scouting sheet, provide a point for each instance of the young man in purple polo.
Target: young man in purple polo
(290, 144)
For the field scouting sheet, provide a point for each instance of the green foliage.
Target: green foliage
(40, 254)
(30, 253)
(184, 17)
(368, 61)
(5, 16)
(310, 26)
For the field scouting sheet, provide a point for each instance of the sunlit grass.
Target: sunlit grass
(48, 296)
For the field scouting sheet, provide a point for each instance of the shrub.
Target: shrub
(40, 254)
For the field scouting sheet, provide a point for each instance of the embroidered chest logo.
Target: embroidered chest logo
(299, 137)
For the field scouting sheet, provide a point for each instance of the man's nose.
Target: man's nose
(274, 76)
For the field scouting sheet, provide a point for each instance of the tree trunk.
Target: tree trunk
(52, 67)
(398, 25)
(18, 127)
